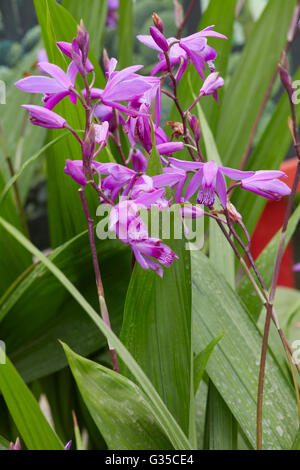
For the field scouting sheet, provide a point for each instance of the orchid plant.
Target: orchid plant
(155, 170)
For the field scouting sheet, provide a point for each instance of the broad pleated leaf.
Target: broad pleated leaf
(234, 365)
(118, 407)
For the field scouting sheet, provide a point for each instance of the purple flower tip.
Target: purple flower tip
(159, 39)
(170, 147)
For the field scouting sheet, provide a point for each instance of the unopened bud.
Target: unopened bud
(106, 61)
(195, 126)
(286, 80)
(88, 146)
(83, 39)
(159, 39)
(158, 22)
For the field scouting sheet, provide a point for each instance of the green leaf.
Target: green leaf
(201, 360)
(30, 421)
(234, 365)
(169, 424)
(154, 308)
(4, 444)
(296, 443)
(117, 405)
(125, 33)
(220, 426)
(66, 218)
(250, 81)
(94, 17)
(265, 264)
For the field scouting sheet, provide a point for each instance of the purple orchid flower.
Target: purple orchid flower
(198, 51)
(70, 48)
(211, 85)
(174, 178)
(125, 85)
(54, 89)
(267, 184)
(106, 113)
(43, 117)
(209, 177)
(144, 192)
(130, 228)
(192, 48)
(101, 133)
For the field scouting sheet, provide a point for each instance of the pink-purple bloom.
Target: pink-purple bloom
(54, 89)
(211, 85)
(209, 180)
(130, 229)
(193, 48)
(266, 184)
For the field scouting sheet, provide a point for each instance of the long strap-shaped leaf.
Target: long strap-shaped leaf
(164, 417)
(25, 411)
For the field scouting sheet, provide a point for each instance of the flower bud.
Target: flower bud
(83, 39)
(106, 62)
(195, 126)
(286, 80)
(88, 146)
(158, 22)
(170, 147)
(159, 39)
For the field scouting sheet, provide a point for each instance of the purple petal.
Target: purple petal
(194, 185)
(148, 41)
(221, 189)
(236, 174)
(39, 84)
(56, 72)
(186, 165)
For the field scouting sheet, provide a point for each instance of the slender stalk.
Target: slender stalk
(99, 284)
(186, 18)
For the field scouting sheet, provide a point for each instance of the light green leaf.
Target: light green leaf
(201, 360)
(30, 421)
(125, 33)
(118, 407)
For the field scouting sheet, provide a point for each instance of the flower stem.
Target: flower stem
(100, 289)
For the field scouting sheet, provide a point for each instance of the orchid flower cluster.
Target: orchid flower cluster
(132, 102)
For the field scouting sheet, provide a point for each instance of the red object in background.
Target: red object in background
(271, 221)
